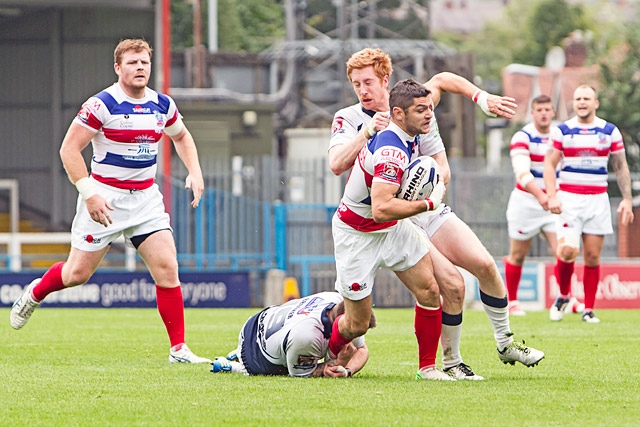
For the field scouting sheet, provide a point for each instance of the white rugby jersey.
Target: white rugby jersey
(530, 142)
(125, 146)
(348, 121)
(383, 159)
(296, 334)
(585, 149)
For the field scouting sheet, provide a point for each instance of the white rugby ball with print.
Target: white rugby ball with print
(419, 179)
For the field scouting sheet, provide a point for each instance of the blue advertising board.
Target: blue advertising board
(137, 289)
(528, 290)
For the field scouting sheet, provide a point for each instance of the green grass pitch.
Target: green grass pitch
(108, 367)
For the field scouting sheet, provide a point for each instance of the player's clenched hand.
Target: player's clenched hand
(98, 209)
(197, 186)
(434, 200)
(555, 206)
(544, 201)
(379, 121)
(334, 371)
(502, 106)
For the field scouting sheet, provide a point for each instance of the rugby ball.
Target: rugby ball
(419, 179)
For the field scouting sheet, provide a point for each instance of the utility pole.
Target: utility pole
(197, 45)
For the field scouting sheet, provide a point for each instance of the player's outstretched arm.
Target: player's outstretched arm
(186, 149)
(621, 169)
(491, 105)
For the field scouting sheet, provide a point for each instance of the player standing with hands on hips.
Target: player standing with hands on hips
(584, 144)
(124, 123)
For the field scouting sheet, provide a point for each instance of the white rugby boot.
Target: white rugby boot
(515, 309)
(556, 312)
(518, 352)
(590, 317)
(23, 307)
(462, 371)
(433, 373)
(184, 355)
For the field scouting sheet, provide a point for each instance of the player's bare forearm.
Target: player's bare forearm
(443, 165)
(186, 149)
(621, 169)
(386, 207)
(502, 106)
(551, 161)
(343, 156)
(76, 140)
(358, 360)
(449, 82)
(540, 195)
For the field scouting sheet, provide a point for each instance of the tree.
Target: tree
(246, 25)
(620, 93)
(549, 24)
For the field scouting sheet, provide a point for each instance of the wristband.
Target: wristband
(429, 204)
(348, 372)
(480, 98)
(525, 179)
(85, 188)
(369, 130)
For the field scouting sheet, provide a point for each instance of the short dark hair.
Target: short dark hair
(404, 92)
(540, 99)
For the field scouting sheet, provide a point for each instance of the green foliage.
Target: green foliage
(523, 34)
(108, 367)
(494, 46)
(550, 22)
(230, 28)
(263, 24)
(247, 25)
(181, 24)
(620, 92)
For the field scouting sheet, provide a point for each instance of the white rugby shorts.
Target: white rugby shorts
(526, 218)
(584, 214)
(135, 213)
(359, 254)
(430, 222)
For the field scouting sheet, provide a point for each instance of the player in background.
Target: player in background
(293, 339)
(528, 208)
(453, 242)
(371, 230)
(584, 144)
(124, 124)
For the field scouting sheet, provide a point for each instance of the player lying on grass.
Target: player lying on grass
(293, 339)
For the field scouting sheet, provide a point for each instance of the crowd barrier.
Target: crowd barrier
(107, 290)
(619, 286)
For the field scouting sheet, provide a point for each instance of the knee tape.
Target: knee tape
(570, 240)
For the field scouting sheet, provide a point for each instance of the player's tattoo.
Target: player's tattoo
(619, 162)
